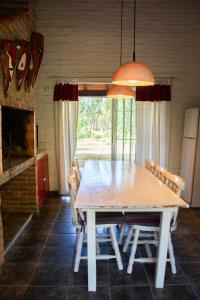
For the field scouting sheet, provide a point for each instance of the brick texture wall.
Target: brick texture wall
(1, 242)
(13, 7)
(20, 191)
(82, 41)
(12, 28)
(19, 194)
(17, 21)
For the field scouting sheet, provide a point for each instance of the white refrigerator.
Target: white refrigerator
(190, 159)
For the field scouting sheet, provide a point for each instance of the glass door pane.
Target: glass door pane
(94, 128)
(123, 130)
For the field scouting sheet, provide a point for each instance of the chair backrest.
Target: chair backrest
(78, 216)
(75, 170)
(150, 165)
(176, 184)
(160, 172)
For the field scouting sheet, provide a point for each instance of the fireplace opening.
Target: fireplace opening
(17, 136)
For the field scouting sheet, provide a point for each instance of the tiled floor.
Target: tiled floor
(40, 265)
(12, 223)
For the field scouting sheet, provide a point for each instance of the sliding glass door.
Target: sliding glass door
(106, 129)
(123, 130)
(94, 128)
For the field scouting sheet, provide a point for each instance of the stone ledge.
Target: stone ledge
(41, 154)
(11, 173)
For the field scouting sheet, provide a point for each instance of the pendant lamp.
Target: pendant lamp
(133, 73)
(119, 91)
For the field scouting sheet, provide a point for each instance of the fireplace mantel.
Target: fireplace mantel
(11, 173)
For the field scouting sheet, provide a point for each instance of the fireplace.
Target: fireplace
(17, 136)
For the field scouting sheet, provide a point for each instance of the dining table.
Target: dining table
(123, 186)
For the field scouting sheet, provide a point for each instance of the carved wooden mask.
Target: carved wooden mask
(8, 62)
(37, 49)
(23, 60)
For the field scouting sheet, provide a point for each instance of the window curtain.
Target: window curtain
(153, 123)
(66, 117)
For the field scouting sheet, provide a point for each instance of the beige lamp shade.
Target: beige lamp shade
(133, 74)
(119, 91)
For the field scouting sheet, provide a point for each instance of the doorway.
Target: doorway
(94, 128)
(106, 129)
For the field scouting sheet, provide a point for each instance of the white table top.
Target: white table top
(117, 184)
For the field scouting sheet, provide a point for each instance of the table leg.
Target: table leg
(91, 248)
(163, 246)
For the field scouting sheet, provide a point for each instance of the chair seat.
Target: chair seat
(145, 219)
(108, 218)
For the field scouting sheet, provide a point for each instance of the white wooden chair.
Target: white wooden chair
(103, 221)
(150, 165)
(149, 229)
(75, 171)
(160, 172)
(177, 185)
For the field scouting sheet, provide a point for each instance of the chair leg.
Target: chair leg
(97, 246)
(97, 243)
(148, 250)
(122, 232)
(116, 248)
(128, 238)
(155, 236)
(77, 238)
(171, 255)
(78, 252)
(133, 251)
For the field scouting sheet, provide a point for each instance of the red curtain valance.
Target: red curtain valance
(65, 91)
(153, 93)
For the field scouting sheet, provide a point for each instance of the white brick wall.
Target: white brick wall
(82, 40)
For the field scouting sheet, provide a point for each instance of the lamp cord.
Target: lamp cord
(134, 27)
(121, 31)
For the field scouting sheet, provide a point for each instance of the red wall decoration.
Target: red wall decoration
(37, 49)
(23, 61)
(24, 58)
(8, 62)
